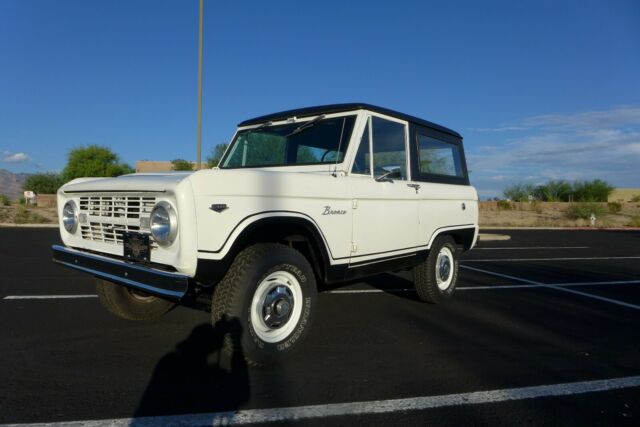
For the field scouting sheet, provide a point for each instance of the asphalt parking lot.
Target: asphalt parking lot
(544, 330)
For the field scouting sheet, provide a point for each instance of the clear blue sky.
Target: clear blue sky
(540, 89)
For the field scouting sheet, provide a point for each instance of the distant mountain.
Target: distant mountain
(11, 183)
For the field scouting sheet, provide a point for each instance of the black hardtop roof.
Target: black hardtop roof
(338, 108)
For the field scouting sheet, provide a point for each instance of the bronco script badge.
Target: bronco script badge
(329, 211)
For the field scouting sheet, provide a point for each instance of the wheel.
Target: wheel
(271, 290)
(435, 278)
(129, 303)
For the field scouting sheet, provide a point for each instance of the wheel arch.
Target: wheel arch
(464, 236)
(296, 231)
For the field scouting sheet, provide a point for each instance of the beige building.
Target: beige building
(624, 194)
(147, 166)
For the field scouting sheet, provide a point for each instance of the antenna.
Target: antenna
(335, 167)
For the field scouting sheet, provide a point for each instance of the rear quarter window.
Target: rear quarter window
(438, 157)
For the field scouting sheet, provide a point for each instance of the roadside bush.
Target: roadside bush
(635, 221)
(553, 191)
(636, 198)
(4, 200)
(519, 192)
(591, 191)
(584, 210)
(536, 206)
(614, 207)
(26, 216)
(181, 165)
(504, 205)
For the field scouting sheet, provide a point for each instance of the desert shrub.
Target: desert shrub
(504, 205)
(553, 191)
(181, 165)
(591, 191)
(635, 198)
(4, 200)
(26, 216)
(584, 210)
(614, 207)
(536, 206)
(519, 192)
(635, 221)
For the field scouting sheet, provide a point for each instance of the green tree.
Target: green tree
(216, 154)
(43, 183)
(553, 191)
(94, 160)
(181, 165)
(591, 191)
(519, 192)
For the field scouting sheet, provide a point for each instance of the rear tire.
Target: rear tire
(271, 290)
(435, 279)
(131, 304)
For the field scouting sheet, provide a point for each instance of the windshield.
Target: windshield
(315, 142)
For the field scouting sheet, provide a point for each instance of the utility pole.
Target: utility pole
(200, 42)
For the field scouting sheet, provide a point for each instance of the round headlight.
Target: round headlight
(70, 216)
(163, 223)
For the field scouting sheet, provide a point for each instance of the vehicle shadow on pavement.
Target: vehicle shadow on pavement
(198, 376)
(394, 285)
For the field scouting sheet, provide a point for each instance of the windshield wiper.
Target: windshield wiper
(263, 125)
(305, 126)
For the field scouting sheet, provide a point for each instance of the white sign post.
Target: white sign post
(30, 198)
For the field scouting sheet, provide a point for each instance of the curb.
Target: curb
(565, 228)
(489, 237)
(9, 225)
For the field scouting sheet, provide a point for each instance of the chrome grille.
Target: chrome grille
(117, 206)
(106, 218)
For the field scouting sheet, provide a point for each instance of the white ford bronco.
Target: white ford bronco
(300, 199)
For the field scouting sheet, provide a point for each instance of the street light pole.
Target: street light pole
(200, 42)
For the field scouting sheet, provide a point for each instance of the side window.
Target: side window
(362, 162)
(438, 157)
(389, 149)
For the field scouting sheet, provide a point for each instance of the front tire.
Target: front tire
(129, 303)
(271, 290)
(435, 279)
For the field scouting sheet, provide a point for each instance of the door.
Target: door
(385, 202)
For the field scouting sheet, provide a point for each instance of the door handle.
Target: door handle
(414, 186)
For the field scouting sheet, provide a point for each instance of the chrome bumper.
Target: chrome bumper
(157, 282)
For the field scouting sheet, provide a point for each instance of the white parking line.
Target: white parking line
(551, 286)
(392, 290)
(295, 413)
(550, 259)
(49, 296)
(529, 247)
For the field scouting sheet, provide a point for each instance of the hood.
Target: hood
(140, 182)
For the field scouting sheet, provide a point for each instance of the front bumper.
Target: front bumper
(156, 282)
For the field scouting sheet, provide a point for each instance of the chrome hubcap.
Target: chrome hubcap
(444, 267)
(277, 307)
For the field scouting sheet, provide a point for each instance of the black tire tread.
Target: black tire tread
(423, 274)
(226, 299)
(116, 299)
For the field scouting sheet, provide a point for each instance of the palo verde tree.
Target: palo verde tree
(94, 160)
(216, 154)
